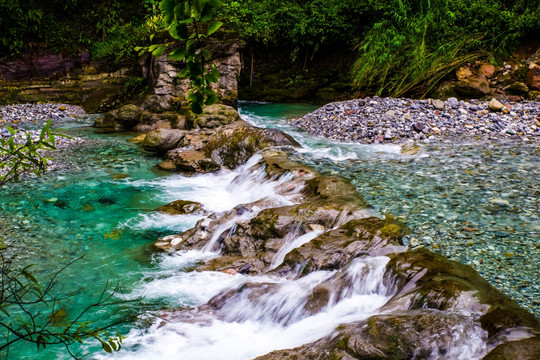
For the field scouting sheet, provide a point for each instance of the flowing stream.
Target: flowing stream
(101, 208)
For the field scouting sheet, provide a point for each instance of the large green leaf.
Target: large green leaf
(179, 31)
(177, 55)
(167, 8)
(213, 27)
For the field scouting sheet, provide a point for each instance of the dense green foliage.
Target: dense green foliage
(110, 28)
(417, 42)
(300, 25)
(404, 46)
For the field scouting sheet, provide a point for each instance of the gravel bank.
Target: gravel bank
(400, 120)
(37, 113)
(20, 115)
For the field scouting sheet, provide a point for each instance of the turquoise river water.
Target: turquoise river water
(477, 203)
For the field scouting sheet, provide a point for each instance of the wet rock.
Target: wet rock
(407, 335)
(432, 281)
(335, 248)
(162, 140)
(233, 146)
(182, 207)
(191, 161)
(216, 115)
(526, 349)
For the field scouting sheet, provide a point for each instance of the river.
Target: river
(474, 202)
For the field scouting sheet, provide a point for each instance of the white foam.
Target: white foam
(252, 325)
(292, 241)
(161, 221)
(223, 190)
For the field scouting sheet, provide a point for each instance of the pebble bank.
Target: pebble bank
(400, 120)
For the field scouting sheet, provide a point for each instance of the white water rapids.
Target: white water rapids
(268, 312)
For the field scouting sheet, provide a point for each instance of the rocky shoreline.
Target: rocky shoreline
(19, 115)
(402, 120)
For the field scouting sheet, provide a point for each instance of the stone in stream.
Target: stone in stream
(228, 147)
(495, 105)
(394, 336)
(182, 207)
(526, 349)
(162, 140)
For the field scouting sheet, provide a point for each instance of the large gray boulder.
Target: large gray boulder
(162, 140)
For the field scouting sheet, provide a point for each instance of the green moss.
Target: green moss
(264, 225)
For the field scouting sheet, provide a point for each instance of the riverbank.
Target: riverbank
(29, 119)
(401, 120)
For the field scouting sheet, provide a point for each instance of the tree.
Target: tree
(29, 310)
(190, 22)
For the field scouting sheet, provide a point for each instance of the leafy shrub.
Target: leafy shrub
(119, 43)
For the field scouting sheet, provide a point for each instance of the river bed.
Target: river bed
(474, 202)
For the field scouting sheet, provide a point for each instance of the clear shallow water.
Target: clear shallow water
(102, 207)
(477, 203)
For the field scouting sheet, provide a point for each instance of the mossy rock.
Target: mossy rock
(216, 115)
(526, 349)
(335, 248)
(443, 282)
(162, 140)
(123, 118)
(182, 207)
(234, 146)
(389, 337)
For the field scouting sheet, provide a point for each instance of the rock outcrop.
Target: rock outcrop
(229, 146)
(168, 90)
(432, 302)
